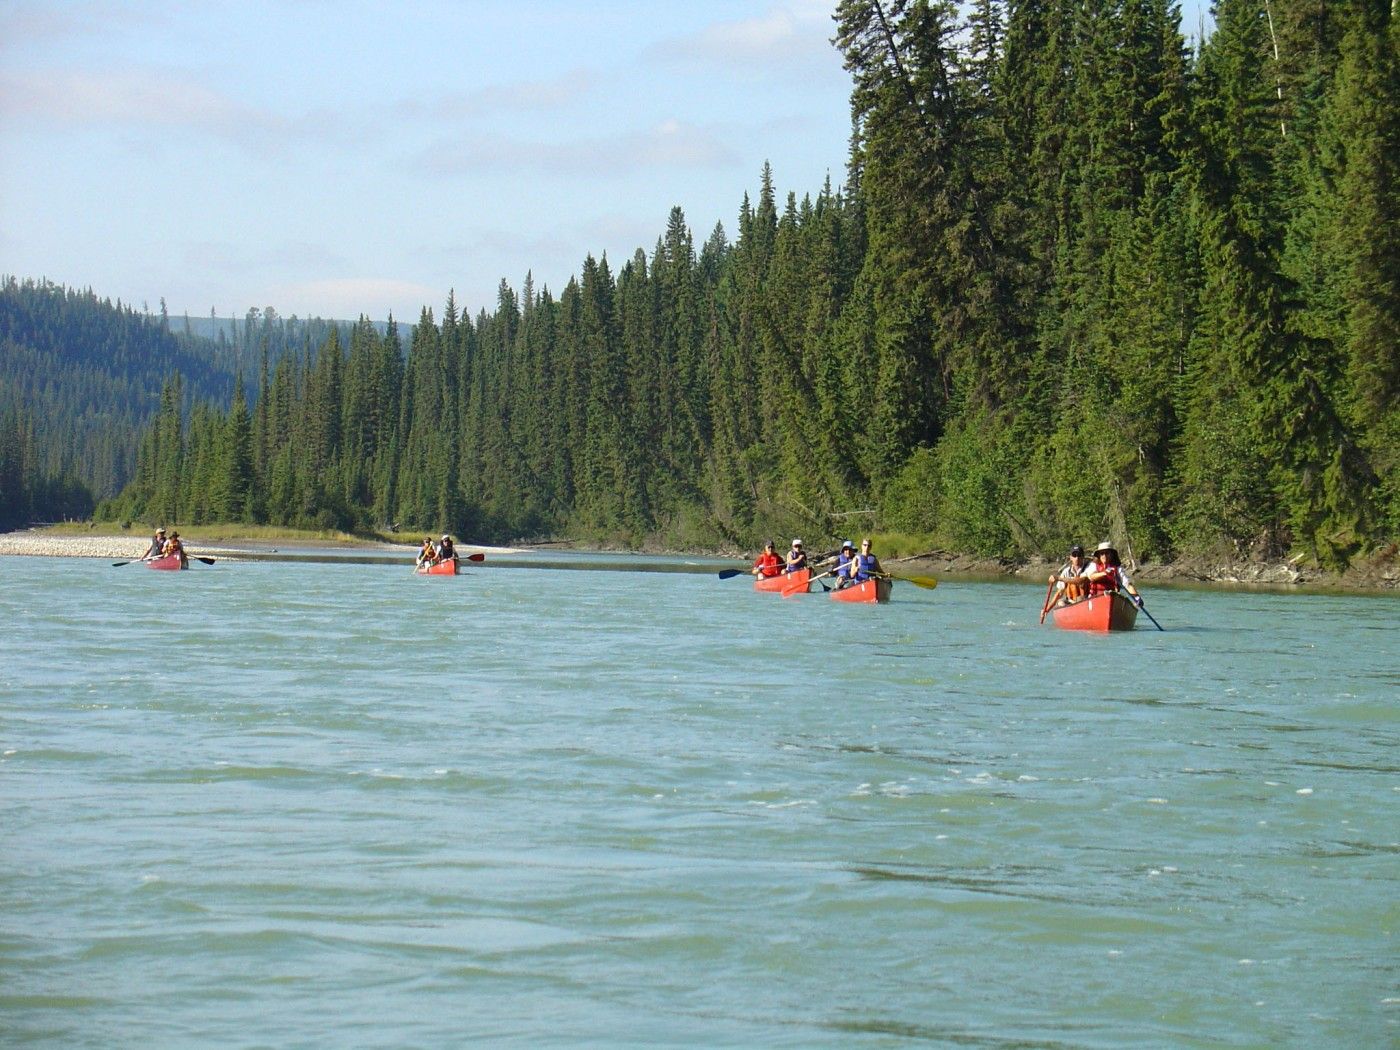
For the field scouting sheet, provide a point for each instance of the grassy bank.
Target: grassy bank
(225, 533)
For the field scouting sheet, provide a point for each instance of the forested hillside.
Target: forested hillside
(1080, 282)
(80, 380)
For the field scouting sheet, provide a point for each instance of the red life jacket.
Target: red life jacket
(1105, 586)
(769, 564)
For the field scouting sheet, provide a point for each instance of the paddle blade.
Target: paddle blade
(794, 588)
(207, 561)
(118, 564)
(478, 556)
(926, 582)
(729, 574)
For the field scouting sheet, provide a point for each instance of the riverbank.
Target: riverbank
(115, 544)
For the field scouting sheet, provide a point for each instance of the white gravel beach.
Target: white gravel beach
(48, 545)
(44, 544)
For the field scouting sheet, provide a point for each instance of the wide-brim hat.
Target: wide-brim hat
(1106, 547)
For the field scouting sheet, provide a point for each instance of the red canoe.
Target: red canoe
(170, 561)
(442, 568)
(795, 581)
(1106, 612)
(873, 590)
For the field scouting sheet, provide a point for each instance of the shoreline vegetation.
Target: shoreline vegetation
(1379, 573)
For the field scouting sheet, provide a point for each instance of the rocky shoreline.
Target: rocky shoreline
(1381, 572)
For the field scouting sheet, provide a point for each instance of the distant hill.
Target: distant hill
(85, 373)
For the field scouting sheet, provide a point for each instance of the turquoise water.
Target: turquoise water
(339, 805)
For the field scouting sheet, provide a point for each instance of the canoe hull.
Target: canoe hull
(793, 583)
(1106, 612)
(170, 561)
(871, 591)
(442, 568)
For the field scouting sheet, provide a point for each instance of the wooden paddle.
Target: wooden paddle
(926, 582)
(1046, 607)
(140, 560)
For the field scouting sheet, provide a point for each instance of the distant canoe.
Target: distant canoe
(170, 561)
(442, 568)
(1104, 612)
(784, 581)
(872, 590)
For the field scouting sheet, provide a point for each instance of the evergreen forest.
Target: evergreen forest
(1080, 281)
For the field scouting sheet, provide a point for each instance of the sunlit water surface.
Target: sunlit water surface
(339, 805)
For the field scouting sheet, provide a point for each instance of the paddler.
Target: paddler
(1106, 575)
(174, 546)
(865, 564)
(427, 554)
(446, 551)
(797, 557)
(844, 560)
(768, 564)
(157, 545)
(1069, 581)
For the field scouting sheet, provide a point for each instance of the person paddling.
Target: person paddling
(446, 551)
(797, 557)
(157, 546)
(174, 546)
(844, 561)
(768, 564)
(1069, 580)
(865, 565)
(1106, 575)
(427, 554)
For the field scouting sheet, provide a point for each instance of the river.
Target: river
(265, 804)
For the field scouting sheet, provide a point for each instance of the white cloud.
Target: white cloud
(145, 97)
(44, 22)
(523, 96)
(158, 101)
(782, 37)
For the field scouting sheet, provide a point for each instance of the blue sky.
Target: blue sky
(338, 157)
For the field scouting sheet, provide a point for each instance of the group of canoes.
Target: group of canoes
(1086, 594)
(856, 575)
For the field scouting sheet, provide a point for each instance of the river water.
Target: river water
(340, 805)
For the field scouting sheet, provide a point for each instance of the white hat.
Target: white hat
(797, 543)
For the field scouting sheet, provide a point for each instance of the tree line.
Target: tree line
(80, 380)
(1081, 281)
